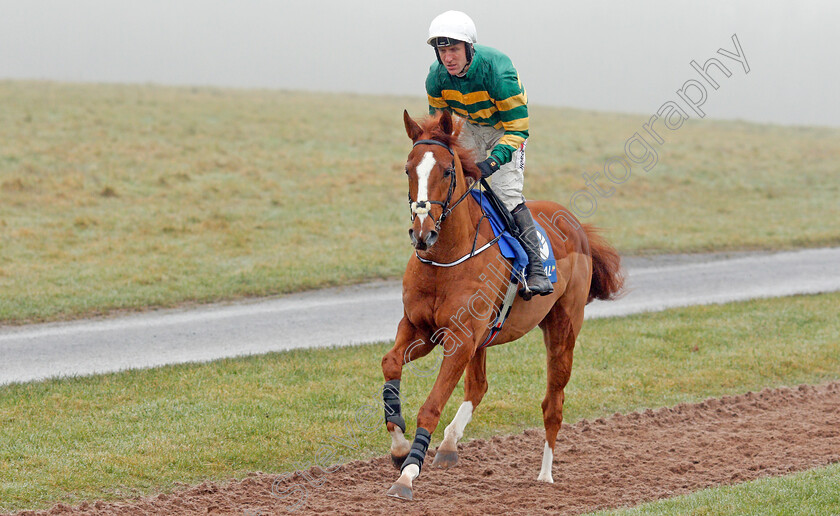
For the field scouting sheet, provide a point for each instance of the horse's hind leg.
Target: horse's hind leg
(559, 334)
(475, 386)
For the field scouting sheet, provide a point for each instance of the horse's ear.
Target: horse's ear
(446, 122)
(412, 128)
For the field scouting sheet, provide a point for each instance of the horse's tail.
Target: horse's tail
(607, 275)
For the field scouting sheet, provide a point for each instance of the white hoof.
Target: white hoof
(402, 488)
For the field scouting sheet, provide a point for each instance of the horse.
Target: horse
(453, 286)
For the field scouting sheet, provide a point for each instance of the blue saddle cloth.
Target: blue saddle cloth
(510, 246)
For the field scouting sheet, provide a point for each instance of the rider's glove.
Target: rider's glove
(488, 166)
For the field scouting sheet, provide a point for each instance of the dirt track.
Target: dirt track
(623, 460)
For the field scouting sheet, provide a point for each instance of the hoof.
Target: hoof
(403, 492)
(398, 461)
(445, 459)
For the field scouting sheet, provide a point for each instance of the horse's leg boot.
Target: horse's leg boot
(536, 281)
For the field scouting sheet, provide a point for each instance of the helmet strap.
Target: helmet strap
(468, 49)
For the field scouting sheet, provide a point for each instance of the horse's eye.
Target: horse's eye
(406, 170)
(447, 172)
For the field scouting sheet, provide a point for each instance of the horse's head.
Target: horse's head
(434, 174)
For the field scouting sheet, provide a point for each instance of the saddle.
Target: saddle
(504, 227)
(506, 230)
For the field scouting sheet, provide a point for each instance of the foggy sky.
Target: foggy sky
(610, 56)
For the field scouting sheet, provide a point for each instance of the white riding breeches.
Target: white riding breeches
(507, 182)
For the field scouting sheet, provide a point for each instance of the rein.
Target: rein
(420, 207)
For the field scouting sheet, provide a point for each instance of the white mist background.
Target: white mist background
(608, 56)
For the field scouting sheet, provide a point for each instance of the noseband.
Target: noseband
(422, 207)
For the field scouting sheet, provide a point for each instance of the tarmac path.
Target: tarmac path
(370, 312)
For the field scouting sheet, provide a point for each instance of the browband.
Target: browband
(434, 142)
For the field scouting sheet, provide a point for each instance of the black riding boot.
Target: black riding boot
(536, 280)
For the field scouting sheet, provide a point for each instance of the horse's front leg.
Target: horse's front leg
(409, 345)
(451, 369)
(475, 386)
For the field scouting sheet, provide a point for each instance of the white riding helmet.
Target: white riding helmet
(451, 27)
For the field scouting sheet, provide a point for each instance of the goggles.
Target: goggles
(442, 41)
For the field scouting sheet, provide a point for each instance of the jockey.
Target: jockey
(480, 84)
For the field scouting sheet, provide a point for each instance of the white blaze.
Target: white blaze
(424, 170)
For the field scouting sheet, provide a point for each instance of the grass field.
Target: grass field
(126, 197)
(116, 435)
(117, 197)
(811, 492)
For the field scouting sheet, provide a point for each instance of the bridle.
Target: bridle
(423, 207)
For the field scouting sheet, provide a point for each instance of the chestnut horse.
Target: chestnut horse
(453, 301)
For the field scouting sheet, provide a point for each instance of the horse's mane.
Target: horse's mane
(432, 131)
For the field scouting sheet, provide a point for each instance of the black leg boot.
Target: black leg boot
(537, 282)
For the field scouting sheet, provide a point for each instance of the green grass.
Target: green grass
(124, 197)
(814, 492)
(140, 432)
